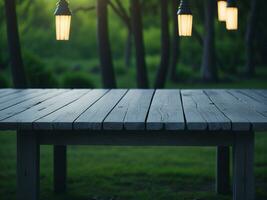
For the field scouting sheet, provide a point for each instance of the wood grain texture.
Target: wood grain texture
(4, 114)
(6, 92)
(22, 98)
(262, 92)
(166, 111)
(64, 117)
(135, 109)
(93, 117)
(25, 120)
(258, 106)
(201, 113)
(130, 113)
(15, 95)
(256, 96)
(242, 117)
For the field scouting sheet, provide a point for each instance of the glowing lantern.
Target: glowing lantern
(232, 15)
(222, 10)
(63, 20)
(185, 19)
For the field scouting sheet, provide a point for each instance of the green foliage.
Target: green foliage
(184, 72)
(77, 80)
(189, 50)
(152, 41)
(120, 68)
(152, 62)
(37, 74)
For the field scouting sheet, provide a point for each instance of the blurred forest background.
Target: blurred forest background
(145, 49)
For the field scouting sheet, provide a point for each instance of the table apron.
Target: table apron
(138, 138)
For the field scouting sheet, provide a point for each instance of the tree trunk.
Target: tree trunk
(1, 60)
(17, 69)
(108, 75)
(137, 30)
(128, 49)
(250, 35)
(175, 42)
(1, 65)
(209, 69)
(165, 46)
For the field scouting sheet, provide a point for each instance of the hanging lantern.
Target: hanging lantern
(63, 19)
(222, 9)
(185, 19)
(232, 15)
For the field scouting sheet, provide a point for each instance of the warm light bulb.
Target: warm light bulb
(63, 27)
(222, 10)
(232, 18)
(185, 23)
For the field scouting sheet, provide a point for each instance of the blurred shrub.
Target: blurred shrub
(190, 52)
(58, 66)
(77, 80)
(185, 73)
(153, 62)
(120, 68)
(230, 59)
(4, 82)
(38, 75)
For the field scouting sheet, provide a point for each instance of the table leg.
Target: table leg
(223, 170)
(28, 153)
(243, 161)
(60, 168)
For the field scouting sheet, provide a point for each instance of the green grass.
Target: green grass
(130, 172)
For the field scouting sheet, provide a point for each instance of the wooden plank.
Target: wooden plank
(27, 104)
(27, 96)
(93, 117)
(194, 119)
(201, 113)
(262, 92)
(28, 152)
(166, 111)
(255, 96)
(258, 106)
(64, 118)
(25, 119)
(15, 95)
(241, 116)
(6, 92)
(131, 112)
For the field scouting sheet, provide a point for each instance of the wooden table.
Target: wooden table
(61, 117)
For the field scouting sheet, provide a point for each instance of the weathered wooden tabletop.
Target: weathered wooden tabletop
(134, 109)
